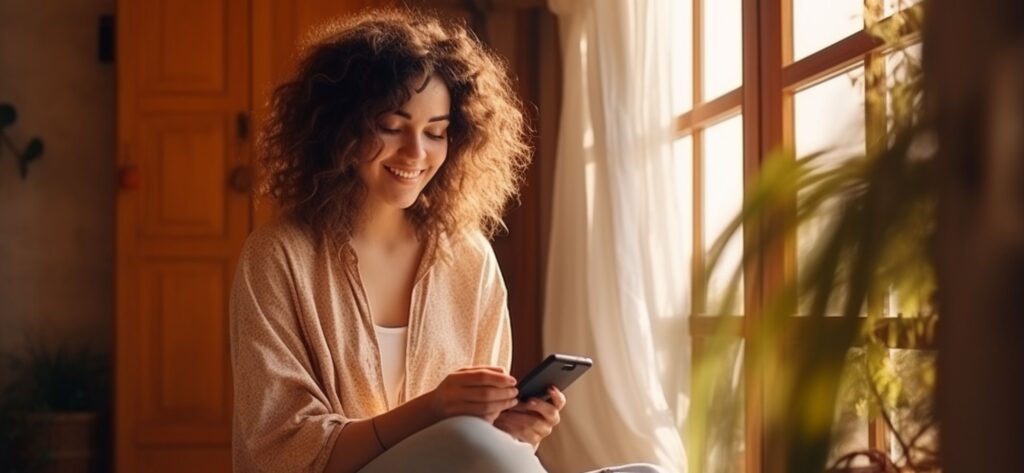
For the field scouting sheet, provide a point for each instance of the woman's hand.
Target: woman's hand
(534, 419)
(481, 391)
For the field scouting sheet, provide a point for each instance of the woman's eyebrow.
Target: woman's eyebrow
(407, 116)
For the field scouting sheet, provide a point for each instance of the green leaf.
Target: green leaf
(7, 115)
(33, 151)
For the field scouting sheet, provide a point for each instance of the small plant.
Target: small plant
(32, 151)
(39, 385)
(64, 379)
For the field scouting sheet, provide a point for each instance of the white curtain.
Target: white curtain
(618, 270)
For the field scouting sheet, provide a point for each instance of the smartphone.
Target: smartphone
(557, 369)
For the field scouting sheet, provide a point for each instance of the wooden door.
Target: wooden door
(182, 215)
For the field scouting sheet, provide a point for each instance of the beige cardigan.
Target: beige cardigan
(304, 352)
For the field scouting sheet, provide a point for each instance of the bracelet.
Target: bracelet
(373, 424)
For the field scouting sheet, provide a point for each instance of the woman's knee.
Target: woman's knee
(634, 468)
(482, 447)
(472, 433)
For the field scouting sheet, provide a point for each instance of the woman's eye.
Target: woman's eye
(387, 129)
(436, 136)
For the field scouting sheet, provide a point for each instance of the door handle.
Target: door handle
(128, 177)
(241, 179)
(242, 125)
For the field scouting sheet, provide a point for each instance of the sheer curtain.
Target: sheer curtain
(618, 270)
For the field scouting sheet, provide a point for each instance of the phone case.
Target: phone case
(557, 369)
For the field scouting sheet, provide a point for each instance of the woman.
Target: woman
(369, 325)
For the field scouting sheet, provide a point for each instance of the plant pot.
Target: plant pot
(63, 442)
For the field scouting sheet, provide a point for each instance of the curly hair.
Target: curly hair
(354, 70)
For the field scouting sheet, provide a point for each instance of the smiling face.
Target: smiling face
(414, 145)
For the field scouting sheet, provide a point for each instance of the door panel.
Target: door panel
(184, 351)
(185, 55)
(184, 176)
(187, 41)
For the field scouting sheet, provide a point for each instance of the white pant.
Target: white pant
(467, 444)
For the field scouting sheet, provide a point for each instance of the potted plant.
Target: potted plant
(54, 409)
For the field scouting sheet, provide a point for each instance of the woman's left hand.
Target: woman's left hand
(534, 419)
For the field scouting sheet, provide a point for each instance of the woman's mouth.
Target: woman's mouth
(405, 175)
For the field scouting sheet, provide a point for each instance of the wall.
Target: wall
(56, 227)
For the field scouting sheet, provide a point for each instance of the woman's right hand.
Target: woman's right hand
(481, 391)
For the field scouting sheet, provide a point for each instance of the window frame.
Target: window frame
(765, 98)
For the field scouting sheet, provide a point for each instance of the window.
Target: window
(755, 75)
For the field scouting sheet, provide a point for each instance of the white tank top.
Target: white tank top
(392, 360)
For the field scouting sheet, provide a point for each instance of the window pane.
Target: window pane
(850, 424)
(722, 200)
(819, 23)
(670, 329)
(828, 118)
(899, 66)
(674, 237)
(893, 6)
(904, 381)
(682, 154)
(680, 28)
(914, 411)
(718, 412)
(722, 47)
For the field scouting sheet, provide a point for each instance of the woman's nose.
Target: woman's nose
(412, 146)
